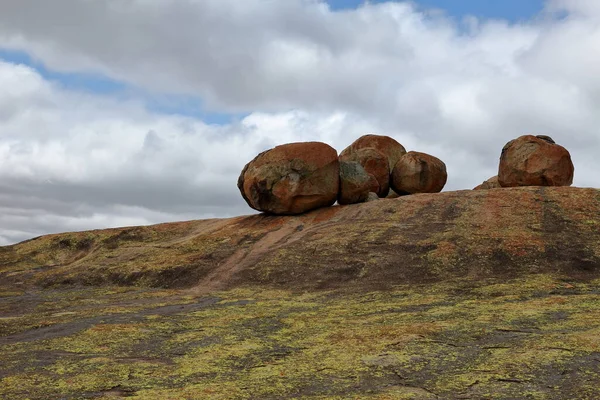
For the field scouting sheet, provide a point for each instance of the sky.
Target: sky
(117, 113)
(512, 10)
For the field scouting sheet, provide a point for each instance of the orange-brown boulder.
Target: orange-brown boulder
(386, 145)
(355, 183)
(491, 183)
(418, 173)
(375, 163)
(292, 178)
(535, 161)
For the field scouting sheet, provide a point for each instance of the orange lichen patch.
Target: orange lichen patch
(522, 246)
(580, 209)
(445, 252)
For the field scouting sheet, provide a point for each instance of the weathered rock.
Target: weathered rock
(355, 183)
(535, 161)
(546, 138)
(491, 183)
(418, 173)
(493, 234)
(292, 178)
(475, 269)
(372, 197)
(386, 145)
(375, 163)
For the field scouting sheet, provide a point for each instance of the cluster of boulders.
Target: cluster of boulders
(532, 161)
(299, 177)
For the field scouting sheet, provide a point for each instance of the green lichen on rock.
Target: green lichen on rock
(536, 336)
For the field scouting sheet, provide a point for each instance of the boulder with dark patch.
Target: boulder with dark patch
(355, 183)
(386, 145)
(546, 138)
(535, 161)
(292, 178)
(418, 173)
(375, 163)
(491, 183)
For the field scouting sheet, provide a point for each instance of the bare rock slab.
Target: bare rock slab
(491, 183)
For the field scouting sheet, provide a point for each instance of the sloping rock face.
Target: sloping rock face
(535, 161)
(418, 173)
(355, 183)
(291, 179)
(414, 239)
(491, 183)
(375, 163)
(386, 145)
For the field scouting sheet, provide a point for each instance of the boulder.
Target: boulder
(491, 183)
(355, 183)
(418, 173)
(292, 178)
(535, 161)
(546, 138)
(386, 145)
(375, 163)
(372, 197)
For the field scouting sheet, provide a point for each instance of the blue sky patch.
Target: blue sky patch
(512, 10)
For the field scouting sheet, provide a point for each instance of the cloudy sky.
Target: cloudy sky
(128, 112)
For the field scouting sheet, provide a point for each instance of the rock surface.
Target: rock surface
(418, 173)
(291, 179)
(386, 145)
(372, 197)
(470, 294)
(420, 238)
(375, 163)
(491, 183)
(535, 161)
(546, 138)
(355, 183)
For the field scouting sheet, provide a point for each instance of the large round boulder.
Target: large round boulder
(418, 173)
(375, 163)
(535, 161)
(355, 183)
(386, 145)
(292, 178)
(491, 183)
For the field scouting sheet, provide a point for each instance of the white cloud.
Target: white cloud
(70, 160)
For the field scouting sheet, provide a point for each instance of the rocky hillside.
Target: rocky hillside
(489, 294)
(414, 239)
